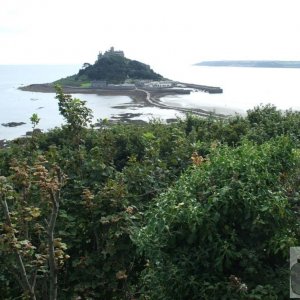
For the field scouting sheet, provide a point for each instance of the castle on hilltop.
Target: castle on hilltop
(110, 52)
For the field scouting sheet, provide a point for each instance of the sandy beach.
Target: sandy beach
(141, 96)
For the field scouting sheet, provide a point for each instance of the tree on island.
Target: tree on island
(85, 65)
(112, 67)
(116, 68)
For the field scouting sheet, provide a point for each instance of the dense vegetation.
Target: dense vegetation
(116, 69)
(112, 69)
(197, 209)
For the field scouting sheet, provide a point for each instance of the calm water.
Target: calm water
(18, 106)
(243, 89)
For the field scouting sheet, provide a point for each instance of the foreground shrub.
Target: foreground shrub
(224, 230)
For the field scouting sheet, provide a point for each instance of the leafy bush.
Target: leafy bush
(140, 222)
(227, 216)
(266, 122)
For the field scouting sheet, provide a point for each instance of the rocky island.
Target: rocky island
(114, 74)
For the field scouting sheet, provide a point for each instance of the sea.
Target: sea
(243, 89)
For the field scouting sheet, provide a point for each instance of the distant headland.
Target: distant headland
(251, 63)
(114, 74)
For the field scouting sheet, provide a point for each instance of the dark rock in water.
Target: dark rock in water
(35, 131)
(13, 124)
(137, 122)
(3, 144)
(126, 116)
(171, 120)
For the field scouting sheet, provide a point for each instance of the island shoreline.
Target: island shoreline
(146, 97)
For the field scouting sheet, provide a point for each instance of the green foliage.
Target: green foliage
(197, 209)
(230, 215)
(34, 119)
(76, 114)
(267, 122)
(112, 176)
(29, 198)
(111, 68)
(117, 69)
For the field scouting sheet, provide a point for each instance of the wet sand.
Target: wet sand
(149, 97)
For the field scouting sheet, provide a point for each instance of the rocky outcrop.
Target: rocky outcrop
(3, 144)
(13, 124)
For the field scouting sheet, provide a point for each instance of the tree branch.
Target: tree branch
(50, 232)
(24, 277)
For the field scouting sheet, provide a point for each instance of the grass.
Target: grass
(86, 84)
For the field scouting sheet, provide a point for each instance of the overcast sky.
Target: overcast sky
(157, 32)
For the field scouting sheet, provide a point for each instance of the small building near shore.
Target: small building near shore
(124, 86)
(98, 84)
(159, 84)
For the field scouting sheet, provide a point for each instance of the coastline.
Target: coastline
(145, 97)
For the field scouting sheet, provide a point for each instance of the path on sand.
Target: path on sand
(149, 97)
(154, 100)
